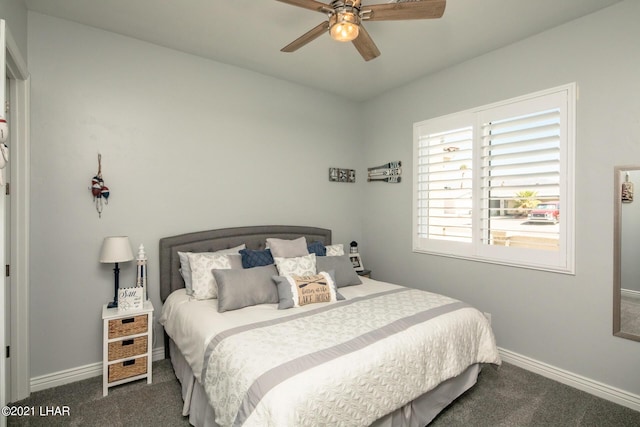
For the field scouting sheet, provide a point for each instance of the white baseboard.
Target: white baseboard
(630, 294)
(76, 374)
(588, 385)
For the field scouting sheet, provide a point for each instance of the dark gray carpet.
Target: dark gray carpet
(505, 396)
(511, 396)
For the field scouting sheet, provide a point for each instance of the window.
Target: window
(495, 183)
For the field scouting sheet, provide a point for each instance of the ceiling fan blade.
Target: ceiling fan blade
(309, 4)
(307, 37)
(422, 9)
(365, 45)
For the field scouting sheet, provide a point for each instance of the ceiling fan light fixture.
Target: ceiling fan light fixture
(344, 26)
(344, 18)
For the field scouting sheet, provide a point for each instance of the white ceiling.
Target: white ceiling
(250, 34)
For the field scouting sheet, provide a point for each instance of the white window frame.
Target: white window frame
(561, 261)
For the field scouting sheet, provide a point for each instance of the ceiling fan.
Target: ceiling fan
(346, 16)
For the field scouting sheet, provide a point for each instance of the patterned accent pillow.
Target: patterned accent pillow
(317, 248)
(251, 258)
(185, 268)
(284, 248)
(202, 281)
(300, 266)
(335, 250)
(296, 291)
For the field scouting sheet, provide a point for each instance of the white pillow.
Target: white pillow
(185, 269)
(335, 250)
(203, 283)
(298, 266)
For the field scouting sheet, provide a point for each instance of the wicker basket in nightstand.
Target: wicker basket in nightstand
(127, 345)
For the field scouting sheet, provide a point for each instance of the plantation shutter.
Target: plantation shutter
(520, 157)
(445, 184)
(480, 174)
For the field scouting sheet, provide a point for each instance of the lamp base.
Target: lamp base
(116, 274)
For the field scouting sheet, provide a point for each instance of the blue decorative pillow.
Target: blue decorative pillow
(251, 258)
(317, 248)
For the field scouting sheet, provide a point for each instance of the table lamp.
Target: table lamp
(114, 250)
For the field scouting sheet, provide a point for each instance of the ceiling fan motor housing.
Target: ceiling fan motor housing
(344, 20)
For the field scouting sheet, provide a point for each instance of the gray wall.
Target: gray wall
(561, 320)
(14, 12)
(190, 144)
(187, 144)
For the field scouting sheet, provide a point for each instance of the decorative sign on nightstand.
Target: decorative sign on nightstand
(130, 298)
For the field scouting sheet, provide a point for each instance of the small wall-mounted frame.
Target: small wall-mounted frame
(356, 261)
(627, 190)
(342, 175)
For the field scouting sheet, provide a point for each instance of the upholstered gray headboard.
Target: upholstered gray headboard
(213, 240)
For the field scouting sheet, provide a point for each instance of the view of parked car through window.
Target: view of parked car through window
(545, 212)
(531, 225)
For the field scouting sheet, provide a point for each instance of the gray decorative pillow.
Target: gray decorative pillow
(185, 268)
(344, 272)
(242, 288)
(296, 291)
(283, 248)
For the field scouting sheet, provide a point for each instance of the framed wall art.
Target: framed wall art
(342, 175)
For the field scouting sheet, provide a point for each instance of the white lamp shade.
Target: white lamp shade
(116, 249)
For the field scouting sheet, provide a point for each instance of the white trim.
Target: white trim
(579, 382)
(630, 293)
(20, 86)
(4, 393)
(67, 376)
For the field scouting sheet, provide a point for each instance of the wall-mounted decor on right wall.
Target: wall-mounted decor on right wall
(389, 172)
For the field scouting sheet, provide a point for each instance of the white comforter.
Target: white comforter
(346, 363)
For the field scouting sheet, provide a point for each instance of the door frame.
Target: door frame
(19, 87)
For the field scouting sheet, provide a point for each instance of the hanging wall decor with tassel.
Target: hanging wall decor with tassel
(99, 191)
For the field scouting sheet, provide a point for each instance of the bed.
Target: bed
(385, 355)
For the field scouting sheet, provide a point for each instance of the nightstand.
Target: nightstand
(127, 342)
(364, 273)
